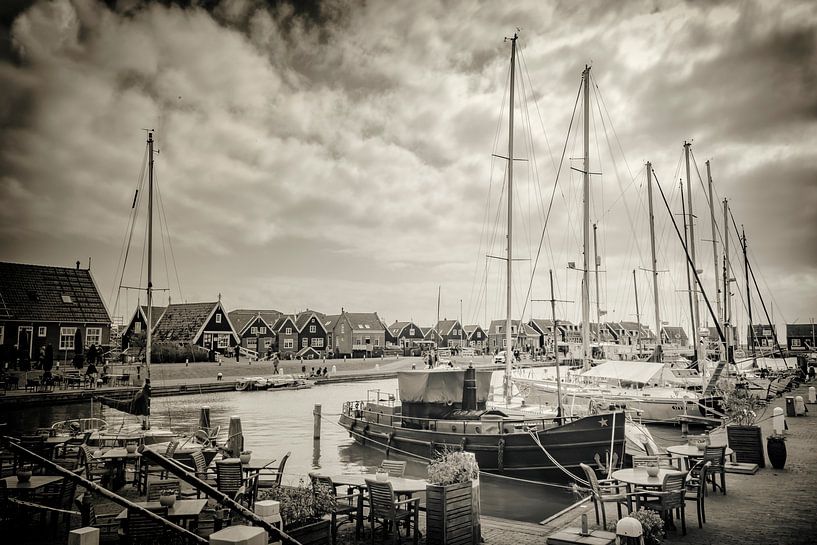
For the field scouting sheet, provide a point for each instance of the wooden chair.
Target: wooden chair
(644, 461)
(606, 491)
(670, 498)
(146, 470)
(140, 529)
(696, 488)
(248, 493)
(107, 524)
(229, 476)
(346, 506)
(716, 456)
(59, 495)
(95, 469)
(395, 468)
(384, 505)
(201, 471)
(276, 474)
(156, 487)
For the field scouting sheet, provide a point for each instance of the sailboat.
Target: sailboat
(649, 388)
(445, 408)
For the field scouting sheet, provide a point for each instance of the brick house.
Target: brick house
(356, 334)
(47, 305)
(523, 336)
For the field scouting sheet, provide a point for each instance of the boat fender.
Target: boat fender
(462, 444)
(432, 450)
(500, 454)
(389, 439)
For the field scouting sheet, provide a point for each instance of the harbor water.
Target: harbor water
(276, 422)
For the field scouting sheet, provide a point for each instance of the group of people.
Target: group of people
(319, 373)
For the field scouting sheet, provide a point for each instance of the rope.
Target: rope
(553, 460)
(42, 507)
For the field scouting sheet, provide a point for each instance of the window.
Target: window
(456, 332)
(288, 343)
(93, 335)
(253, 331)
(223, 341)
(377, 342)
(317, 342)
(305, 342)
(218, 317)
(288, 331)
(67, 338)
(262, 330)
(499, 329)
(479, 335)
(357, 340)
(137, 327)
(41, 331)
(267, 342)
(312, 329)
(795, 342)
(251, 343)
(342, 328)
(504, 343)
(411, 331)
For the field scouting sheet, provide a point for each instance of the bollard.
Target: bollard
(799, 406)
(778, 421)
(239, 535)
(585, 531)
(84, 536)
(316, 429)
(812, 394)
(335, 370)
(270, 511)
(630, 530)
(235, 437)
(377, 367)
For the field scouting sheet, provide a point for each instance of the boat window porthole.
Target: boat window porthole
(477, 429)
(454, 429)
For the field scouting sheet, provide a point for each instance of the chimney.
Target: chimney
(77, 264)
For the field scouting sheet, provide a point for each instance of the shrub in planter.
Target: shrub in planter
(449, 490)
(652, 526)
(302, 510)
(743, 435)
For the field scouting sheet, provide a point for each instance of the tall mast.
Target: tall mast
(689, 277)
(637, 316)
(598, 296)
(586, 225)
(696, 319)
(556, 349)
(508, 300)
(727, 301)
(148, 339)
(751, 337)
(714, 245)
(654, 260)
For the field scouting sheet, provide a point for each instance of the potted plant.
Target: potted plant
(167, 497)
(450, 487)
(652, 526)
(302, 511)
(742, 432)
(245, 456)
(776, 449)
(23, 473)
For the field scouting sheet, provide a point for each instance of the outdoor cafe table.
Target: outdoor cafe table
(181, 510)
(401, 486)
(54, 443)
(691, 452)
(637, 477)
(255, 465)
(117, 458)
(35, 482)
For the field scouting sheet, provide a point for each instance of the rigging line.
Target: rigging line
(552, 195)
(538, 112)
(128, 235)
(775, 304)
(163, 213)
(162, 224)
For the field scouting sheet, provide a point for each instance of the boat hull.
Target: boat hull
(513, 453)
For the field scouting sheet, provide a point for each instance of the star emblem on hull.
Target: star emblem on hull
(603, 422)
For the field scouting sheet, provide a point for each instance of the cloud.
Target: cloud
(334, 153)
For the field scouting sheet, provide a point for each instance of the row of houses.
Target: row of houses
(41, 305)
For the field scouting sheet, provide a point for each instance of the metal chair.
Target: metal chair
(696, 488)
(384, 505)
(670, 498)
(156, 487)
(395, 468)
(606, 491)
(346, 506)
(276, 474)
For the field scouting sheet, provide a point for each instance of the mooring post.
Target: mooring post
(316, 430)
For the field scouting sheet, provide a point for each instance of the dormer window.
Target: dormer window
(65, 297)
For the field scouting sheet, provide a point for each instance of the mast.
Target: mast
(714, 245)
(556, 350)
(509, 264)
(637, 316)
(586, 225)
(751, 338)
(149, 336)
(598, 297)
(696, 319)
(654, 260)
(727, 301)
(689, 278)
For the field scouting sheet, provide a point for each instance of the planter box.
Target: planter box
(747, 443)
(317, 533)
(449, 514)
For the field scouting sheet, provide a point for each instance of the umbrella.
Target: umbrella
(23, 350)
(79, 358)
(48, 361)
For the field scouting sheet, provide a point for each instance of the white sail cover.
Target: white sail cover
(442, 385)
(640, 372)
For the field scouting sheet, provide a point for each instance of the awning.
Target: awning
(641, 372)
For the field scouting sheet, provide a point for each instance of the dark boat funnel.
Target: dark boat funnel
(469, 390)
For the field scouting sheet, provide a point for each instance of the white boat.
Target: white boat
(275, 382)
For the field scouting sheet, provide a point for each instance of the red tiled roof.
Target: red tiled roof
(39, 293)
(182, 321)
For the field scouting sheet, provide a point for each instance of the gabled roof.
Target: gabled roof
(303, 318)
(674, 331)
(397, 328)
(541, 325)
(184, 322)
(330, 321)
(364, 321)
(306, 350)
(244, 318)
(155, 314)
(471, 328)
(283, 319)
(800, 330)
(429, 332)
(444, 327)
(40, 293)
(523, 330)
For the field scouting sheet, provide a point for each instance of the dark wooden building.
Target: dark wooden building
(204, 324)
(801, 337)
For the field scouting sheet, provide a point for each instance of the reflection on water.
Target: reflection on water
(275, 422)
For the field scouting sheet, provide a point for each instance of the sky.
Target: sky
(336, 154)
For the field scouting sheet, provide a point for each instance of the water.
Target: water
(275, 422)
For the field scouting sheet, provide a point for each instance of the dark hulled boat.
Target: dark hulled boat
(445, 408)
